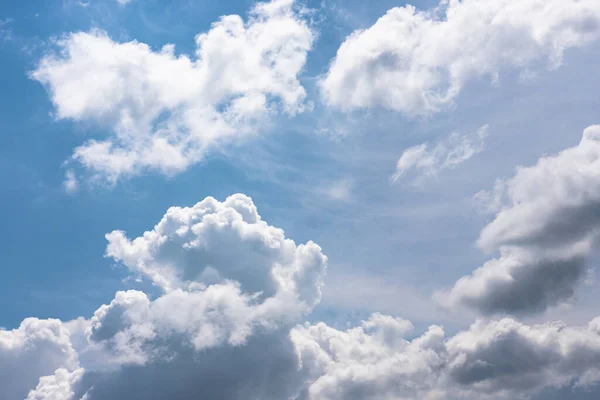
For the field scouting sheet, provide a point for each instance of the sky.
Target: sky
(299, 199)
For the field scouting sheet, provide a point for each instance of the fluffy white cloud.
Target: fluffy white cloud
(496, 360)
(546, 226)
(232, 288)
(37, 348)
(417, 62)
(163, 110)
(447, 154)
(214, 242)
(58, 386)
(233, 291)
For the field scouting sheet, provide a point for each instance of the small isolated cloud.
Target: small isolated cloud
(546, 225)
(5, 29)
(425, 162)
(417, 62)
(70, 184)
(339, 190)
(165, 111)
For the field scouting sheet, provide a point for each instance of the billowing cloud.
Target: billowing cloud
(37, 348)
(227, 324)
(417, 62)
(546, 225)
(496, 360)
(163, 111)
(232, 288)
(447, 154)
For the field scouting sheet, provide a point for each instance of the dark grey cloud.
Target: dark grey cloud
(546, 227)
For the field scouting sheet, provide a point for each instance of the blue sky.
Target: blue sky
(322, 173)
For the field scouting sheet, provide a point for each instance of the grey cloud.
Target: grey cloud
(492, 360)
(546, 226)
(223, 340)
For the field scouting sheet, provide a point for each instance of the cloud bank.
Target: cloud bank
(229, 324)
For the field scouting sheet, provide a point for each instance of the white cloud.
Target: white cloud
(339, 190)
(164, 111)
(233, 287)
(214, 242)
(545, 228)
(496, 360)
(447, 154)
(37, 348)
(417, 62)
(58, 386)
(70, 184)
(234, 290)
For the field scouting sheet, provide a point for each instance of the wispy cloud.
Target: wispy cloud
(424, 161)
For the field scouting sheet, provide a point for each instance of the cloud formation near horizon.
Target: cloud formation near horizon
(229, 323)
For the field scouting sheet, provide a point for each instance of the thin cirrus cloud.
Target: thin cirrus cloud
(417, 62)
(165, 111)
(545, 228)
(228, 324)
(422, 161)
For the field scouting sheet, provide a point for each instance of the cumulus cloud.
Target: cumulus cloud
(163, 111)
(234, 292)
(232, 287)
(35, 349)
(492, 360)
(417, 62)
(447, 154)
(545, 228)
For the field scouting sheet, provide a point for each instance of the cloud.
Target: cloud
(227, 323)
(36, 348)
(164, 111)
(5, 29)
(58, 386)
(232, 287)
(70, 184)
(340, 190)
(446, 154)
(417, 62)
(214, 242)
(545, 227)
(495, 360)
